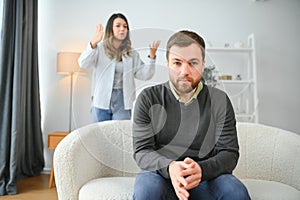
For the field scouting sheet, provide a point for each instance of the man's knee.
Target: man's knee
(232, 188)
(149, 185)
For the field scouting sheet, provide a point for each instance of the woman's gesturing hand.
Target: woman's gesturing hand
(98, 36)
(153, 48)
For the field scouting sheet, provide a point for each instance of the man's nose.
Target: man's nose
(185, 68)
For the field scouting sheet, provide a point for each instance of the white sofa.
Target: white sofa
(95, 162)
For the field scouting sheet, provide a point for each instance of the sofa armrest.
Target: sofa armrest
(74, 165)
(97, 150)
(268, 153)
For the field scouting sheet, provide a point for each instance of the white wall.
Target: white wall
(68, 25)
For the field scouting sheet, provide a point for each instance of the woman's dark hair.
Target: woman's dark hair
(125, 47)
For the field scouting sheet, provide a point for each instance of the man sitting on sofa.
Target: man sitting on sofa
(184, 132)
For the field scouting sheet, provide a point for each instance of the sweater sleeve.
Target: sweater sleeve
(224, 157)
(145, 154)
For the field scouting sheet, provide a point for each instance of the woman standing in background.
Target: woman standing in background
(115, 65)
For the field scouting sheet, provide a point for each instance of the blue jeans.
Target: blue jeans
(150, 185)
(116, 109)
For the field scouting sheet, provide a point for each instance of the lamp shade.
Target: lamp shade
(67, 62)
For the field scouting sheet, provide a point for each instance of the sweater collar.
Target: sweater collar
(198, 90)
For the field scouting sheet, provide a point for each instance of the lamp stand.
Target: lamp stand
(71, 98)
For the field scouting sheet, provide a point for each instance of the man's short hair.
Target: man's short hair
(185, 38)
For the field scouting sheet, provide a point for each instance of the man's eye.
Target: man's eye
(177, 63)
(193, 63)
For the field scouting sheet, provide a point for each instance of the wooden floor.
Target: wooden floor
(33, 188)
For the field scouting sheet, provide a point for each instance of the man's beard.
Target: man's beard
(184, 88)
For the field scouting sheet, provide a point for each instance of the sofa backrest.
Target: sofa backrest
(110, 143)
(268, 153)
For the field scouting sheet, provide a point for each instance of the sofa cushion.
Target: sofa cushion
(262, 189)
(108, 188)
(105, 188)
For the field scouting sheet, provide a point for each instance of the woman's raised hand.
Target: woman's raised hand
(98, 36)
(153, 48)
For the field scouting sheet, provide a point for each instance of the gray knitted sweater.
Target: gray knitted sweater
(165, 130)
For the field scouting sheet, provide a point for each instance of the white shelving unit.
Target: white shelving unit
(240, 63)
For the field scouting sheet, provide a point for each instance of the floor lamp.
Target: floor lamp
(67, 63)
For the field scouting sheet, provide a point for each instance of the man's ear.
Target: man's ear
(167, 63)
(203, 65)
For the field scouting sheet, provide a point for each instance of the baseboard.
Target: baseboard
(46, 171)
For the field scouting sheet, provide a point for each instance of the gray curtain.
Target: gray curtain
(21, 142)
